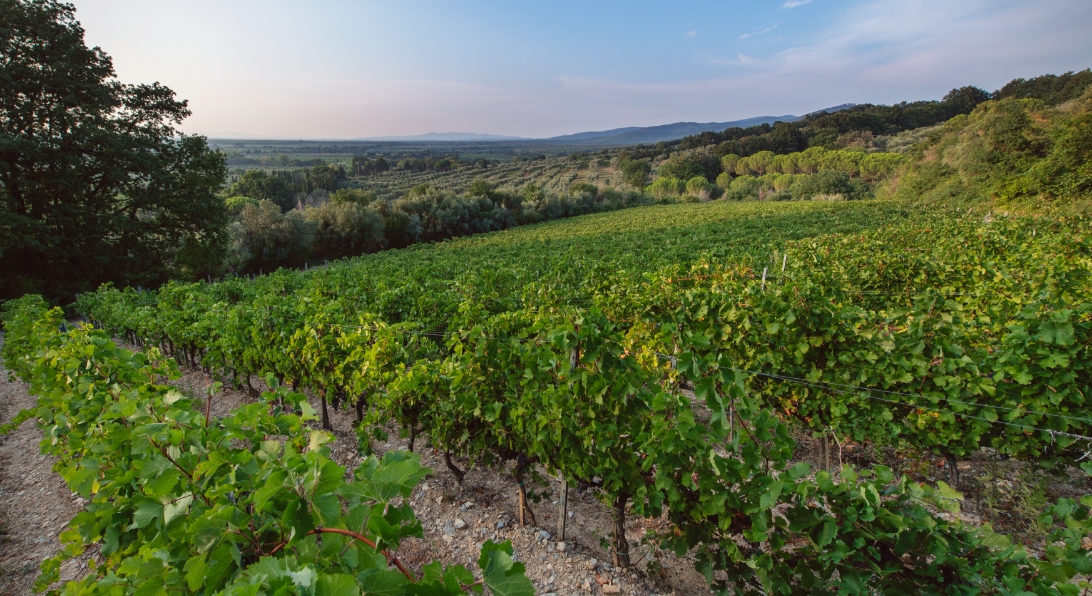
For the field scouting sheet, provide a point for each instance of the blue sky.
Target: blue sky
(339, 69)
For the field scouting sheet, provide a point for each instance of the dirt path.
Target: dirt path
(35, 504)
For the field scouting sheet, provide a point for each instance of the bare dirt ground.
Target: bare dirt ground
(35, 506)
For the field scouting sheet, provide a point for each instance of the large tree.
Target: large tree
(96, 184)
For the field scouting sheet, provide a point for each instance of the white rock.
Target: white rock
(459, 524)
(561, 546)
(543, 535)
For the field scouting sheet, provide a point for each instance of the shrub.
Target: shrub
(235, 204)
(263, 238)
(700, 188)
(353, 196)
(827, 184)
(344, 229)
(665, 187)
(261, 186)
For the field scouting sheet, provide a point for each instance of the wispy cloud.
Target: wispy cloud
(692, 33)
(794, 3)
(766, 30)
(740, 59)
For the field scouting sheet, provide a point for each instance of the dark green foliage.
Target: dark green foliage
(824, 129)
(1050, 89)
(964, 99)
(439, 215)
(95, 182)
(583, 188)
(360, 166)
(830, 184)
(344, 229)
(480, 188)
(685, 167)
(352, 195)
(263, 239)
(305, 182)
(635, 171)
(263, 187)
(422, 164)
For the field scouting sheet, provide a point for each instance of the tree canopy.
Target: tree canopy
(96, 184)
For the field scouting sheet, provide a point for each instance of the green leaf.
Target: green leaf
(328, 508)
(176, 508)
(195, 570)
(298, 517)
(382, 582)
(827, 533)
(164, 485)
(207, 530)
(337, 584)
(947, 492)
(500, 573)
(146, 512)
(769, 498)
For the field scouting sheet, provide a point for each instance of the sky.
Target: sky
(356, 69)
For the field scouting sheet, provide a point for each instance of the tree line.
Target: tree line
(264, 236)
(845, 128)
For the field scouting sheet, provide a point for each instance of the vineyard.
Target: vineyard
(663, 357)
(553, 174)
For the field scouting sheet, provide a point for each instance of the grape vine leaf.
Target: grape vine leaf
(502, 575)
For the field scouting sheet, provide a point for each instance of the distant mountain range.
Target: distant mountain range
(630, 135)
(447, 136)
(669, 132)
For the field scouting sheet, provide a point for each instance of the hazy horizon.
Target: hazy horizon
(341, 70)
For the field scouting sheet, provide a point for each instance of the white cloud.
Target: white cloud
(739, 60)
(692, 33)
(795, 3)
(766, 30)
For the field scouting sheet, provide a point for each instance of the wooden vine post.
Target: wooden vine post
(562, 509)
(826, 451)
